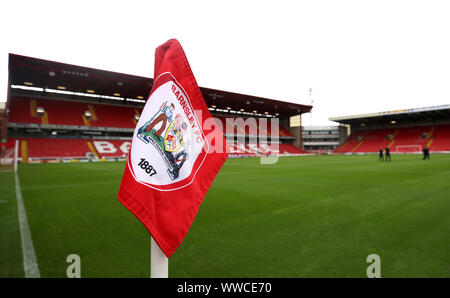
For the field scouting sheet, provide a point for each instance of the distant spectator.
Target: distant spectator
(388, 154)
(426, 153)
(380, 157)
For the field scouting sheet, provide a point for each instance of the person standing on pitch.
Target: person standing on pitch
(426, 153)
(388, 154)
(380, 157)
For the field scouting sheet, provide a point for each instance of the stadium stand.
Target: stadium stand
(25, 110)
(70, 113)
(60, 112)
(399, 140)
(411, 139)
(53, 148)
(372, 141)
(402, 131)
(22, 112)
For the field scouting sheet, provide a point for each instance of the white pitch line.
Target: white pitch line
(30, 264)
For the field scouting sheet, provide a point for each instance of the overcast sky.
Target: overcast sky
(357, 56)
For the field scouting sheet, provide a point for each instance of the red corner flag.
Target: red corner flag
(175, 154)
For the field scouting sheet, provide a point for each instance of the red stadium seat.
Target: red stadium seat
(54, 148)
(291, 149)
(59, 112)
(440, 140)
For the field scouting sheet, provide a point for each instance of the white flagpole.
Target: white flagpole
(159, 263)
(16, 155)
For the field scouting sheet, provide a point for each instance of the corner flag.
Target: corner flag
(176, 152)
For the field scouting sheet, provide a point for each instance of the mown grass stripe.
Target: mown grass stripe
(30, 264)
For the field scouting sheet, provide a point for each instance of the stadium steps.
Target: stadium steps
(391, 143)
(86, 121)
(136, 111)
(357, 145)
(360, 142)
(45, 118)
(393, 138)
(92, 110)
(33, 112)
(93, 150)
(33, 106)
(342, 147)
(24, 150)
(430, 136)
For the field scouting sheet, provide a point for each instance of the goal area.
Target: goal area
(407, 149)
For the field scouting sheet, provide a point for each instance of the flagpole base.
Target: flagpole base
(159, 263)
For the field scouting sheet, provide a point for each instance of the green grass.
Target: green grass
(312, 216)
(10, 250)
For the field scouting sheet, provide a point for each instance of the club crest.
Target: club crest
(168, 137)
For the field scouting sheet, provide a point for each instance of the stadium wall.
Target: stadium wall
(296, 131)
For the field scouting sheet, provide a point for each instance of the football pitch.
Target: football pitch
(309, 216)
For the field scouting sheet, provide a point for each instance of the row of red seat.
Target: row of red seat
(23, 110)
(49, 148)
(405, 139)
